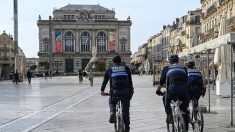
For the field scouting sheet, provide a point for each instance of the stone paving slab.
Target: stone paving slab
(73, 107)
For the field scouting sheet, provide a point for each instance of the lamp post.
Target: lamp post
(15, 4)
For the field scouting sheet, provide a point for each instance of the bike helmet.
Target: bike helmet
(190, 64)
(173, 58)
(117, 59)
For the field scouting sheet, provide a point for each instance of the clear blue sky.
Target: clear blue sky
(148, 17)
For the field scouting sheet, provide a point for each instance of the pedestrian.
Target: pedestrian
(50, 73)
(91, 76)
(29, 76)
(175, 76)
(84, 75)
(80, 76)
(121, 86)
(16, 76)
(46, 74)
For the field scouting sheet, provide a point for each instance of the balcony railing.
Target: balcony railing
(4, 49)
(193, 22)
(212, 33)
(211, 9)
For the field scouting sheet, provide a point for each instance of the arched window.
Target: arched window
(101, 42)
(45, 44)
(69, 42)
(85, 42)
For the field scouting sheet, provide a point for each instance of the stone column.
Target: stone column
(93, 38)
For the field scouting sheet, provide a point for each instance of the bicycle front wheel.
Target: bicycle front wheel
(198, 125)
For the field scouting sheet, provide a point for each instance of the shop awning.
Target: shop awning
(212, 44)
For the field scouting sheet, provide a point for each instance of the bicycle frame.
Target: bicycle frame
(119, 124)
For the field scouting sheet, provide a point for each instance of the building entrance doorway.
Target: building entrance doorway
(84, 63)
(69, 65)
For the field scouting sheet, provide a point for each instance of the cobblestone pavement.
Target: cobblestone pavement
(61, 104)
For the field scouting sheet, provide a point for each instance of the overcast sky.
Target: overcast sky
(148, 17)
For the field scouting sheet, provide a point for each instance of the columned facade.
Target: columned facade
(78, 28)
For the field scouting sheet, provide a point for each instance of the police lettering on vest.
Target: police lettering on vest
(195, 81)
(119, 77)
(176, 75)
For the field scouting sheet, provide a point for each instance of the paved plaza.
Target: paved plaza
(61, 104)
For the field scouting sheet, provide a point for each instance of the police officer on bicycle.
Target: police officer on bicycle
(120, 86)
(175, 77)
(195, 81)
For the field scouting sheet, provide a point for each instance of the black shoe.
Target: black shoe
(112, 118)
(169, 119)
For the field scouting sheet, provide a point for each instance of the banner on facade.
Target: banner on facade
(112, 43)
(58, 41)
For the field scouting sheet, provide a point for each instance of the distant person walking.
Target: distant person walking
(46, 74)
(29, 76)
(84, 75)
(50, 74)
(80, 76)
(91, 76)
(16, 77)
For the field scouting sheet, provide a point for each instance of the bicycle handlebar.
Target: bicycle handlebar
(160, 93)
(106, 94)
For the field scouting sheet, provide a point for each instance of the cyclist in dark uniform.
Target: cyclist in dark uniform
(175, 76)
(195, 81)
(120, 86)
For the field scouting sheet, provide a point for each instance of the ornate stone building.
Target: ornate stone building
(75, 30)
(6, 55)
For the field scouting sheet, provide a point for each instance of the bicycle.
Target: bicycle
(177, 123)
(119, 125)
(196, 116)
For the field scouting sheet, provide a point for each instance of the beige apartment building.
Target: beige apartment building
(7, 59)
(78, 28)
(213, 11)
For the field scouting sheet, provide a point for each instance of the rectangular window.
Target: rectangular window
(197, 19)
(46, 47)
(123, 46)
(4, 45)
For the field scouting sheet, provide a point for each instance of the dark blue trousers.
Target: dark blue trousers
(125, 100)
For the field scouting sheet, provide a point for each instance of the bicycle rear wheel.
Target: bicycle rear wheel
(119, 125)
(198, 125)
(179, 124)
(170, 127)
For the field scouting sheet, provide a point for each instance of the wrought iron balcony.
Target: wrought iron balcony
(4, 60)
(4, 49)
(193, 22)
(212, 9)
